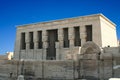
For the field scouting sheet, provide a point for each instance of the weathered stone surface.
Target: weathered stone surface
(90, 48)
(90, 63)
(101, 28)
(90, 69)
(20, 77)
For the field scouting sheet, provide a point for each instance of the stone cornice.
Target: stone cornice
(67, 21)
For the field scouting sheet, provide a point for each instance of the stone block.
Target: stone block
(45, 38)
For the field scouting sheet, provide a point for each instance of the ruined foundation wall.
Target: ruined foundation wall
(89, 66)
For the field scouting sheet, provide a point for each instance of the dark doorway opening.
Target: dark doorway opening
(65, 38)
(23, 44)
(31, 40)
(40, 40)
(89, 32)
(77, 40)
(51, 50)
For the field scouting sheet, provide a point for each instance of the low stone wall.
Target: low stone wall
(65, 70)
(90, 66)
(44, 69)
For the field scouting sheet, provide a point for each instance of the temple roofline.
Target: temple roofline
(45, 22)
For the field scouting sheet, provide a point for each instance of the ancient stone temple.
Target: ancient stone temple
(62, 39)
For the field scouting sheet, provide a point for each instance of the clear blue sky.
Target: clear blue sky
(18, 12)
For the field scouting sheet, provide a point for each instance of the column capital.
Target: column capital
(27, 37)
(60, 34)
(71, 33)
(71, 36)
(44, 33)
(35, 36)
(44, 36)
(45, 45)
(83, 34)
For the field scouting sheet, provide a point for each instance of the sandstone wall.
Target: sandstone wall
(89, 66)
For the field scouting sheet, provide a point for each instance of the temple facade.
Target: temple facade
(62, 39)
